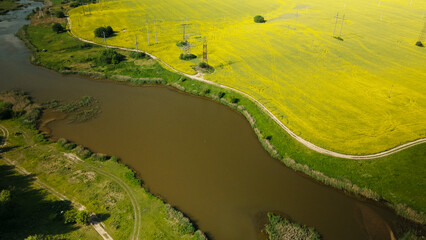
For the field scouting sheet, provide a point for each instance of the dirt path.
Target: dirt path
(96, 225)
(199, 77)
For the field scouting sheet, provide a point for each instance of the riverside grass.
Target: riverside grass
(397, 179)
(362, 95)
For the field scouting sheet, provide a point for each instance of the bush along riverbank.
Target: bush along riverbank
(99, 182)
(279, 228)
(397, 180)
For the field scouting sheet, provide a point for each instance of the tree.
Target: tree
(60, 14)
(4, 196)
(70, 216)
(100, 31)
(259, 19)
(83, 217)
(419, 44)
(57, 27)
(109, 56)
(5, 110)
(109, 32)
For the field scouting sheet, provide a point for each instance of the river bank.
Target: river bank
(357, 178)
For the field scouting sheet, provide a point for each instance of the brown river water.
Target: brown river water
(196, 154)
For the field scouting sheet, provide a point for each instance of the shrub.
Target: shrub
(69, 146)
(187, 57)
(5, 110)
(62, 141)
(4, 197)
(182, 44)
(99, 32)
(82, 217)
(57, 28)
(82, 152)
(60, 14)
(221, 94)
(99, 157)
(419, 44)
(74, 216)
(75, 4)
(70, 216)
(138, 55)
(259, 19)
(235, 100)
(280, 228)
(109, 56)
(207, 91)
(40, 138)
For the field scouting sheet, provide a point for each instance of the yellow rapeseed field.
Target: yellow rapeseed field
(362, 95)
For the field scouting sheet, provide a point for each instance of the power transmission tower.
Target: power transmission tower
(205, 59)
(183, 31)
(147, 31)
(341, 27)
(335, 24)
(422, 33)
(155, 27)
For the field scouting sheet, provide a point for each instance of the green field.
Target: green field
(361, 95)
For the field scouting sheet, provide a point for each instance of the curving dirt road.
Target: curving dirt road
(199, 77)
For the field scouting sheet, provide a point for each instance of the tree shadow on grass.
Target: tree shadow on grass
(28, 212)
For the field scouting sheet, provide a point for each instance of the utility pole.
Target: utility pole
(90, 11)
(106, 46)
(341, 27)
(390, 92)
(411, 2)
(205, 52)
(335, 24)
(136, 42)
(379, 3)
(147, 31)
(84, 13)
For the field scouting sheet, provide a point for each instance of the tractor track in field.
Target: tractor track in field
(199, 77)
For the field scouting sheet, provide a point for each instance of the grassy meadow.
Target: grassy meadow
(362, 95)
